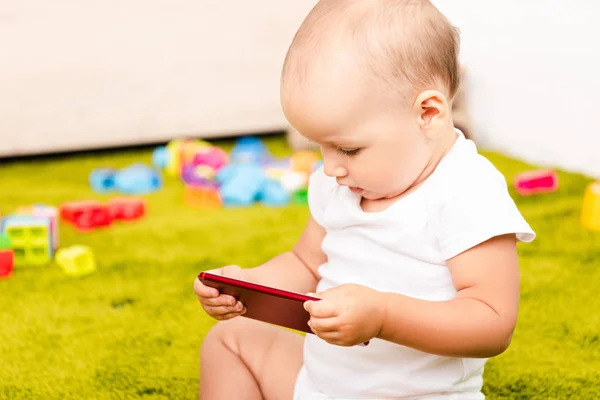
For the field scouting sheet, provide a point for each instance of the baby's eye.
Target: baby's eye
(349, 152)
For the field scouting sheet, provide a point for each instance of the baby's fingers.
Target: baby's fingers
(203, 290)
(223, 300)
(222, 312)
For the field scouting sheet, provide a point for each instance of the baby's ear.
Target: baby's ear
(432, 112)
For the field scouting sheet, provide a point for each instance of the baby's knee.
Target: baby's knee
(225, 333)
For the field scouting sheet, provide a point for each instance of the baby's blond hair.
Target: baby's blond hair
(409, 45)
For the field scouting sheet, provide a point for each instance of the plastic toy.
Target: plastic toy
(213, 157)
(533, 182)
(191, 147)
(300, 197)
(205, 197)
(30, 238)
(7, 257)
(86, 215)
(197, 175)
(304, 161)
(293, 181)
(160, 157)
(590, 211)
(180, 152)
(126, 208)
(249, 150)
(137, 179)
(273, 194)
(241, 184)
(102, 180)
(76, 260)
(42, 210)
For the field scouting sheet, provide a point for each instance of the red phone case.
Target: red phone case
(264, 303)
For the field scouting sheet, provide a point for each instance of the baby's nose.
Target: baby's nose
(336, 172)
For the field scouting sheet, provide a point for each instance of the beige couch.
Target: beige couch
(90, 74)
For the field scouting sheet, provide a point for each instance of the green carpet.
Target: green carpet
(133, 329)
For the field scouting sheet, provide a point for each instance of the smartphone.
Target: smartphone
(264, 303)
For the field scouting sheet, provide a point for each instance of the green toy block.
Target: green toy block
(4, 242)
(300, 197)
(76, 260)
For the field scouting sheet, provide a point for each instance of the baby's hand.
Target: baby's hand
(347, 315)
(220, 306)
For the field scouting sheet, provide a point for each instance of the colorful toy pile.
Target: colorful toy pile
(29, 236)
(247, 175)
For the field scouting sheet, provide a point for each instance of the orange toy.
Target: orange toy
(203, 197)
(304, 161)
(590, 212)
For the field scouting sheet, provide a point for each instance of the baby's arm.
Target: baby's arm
(479, 322)
(295, 270)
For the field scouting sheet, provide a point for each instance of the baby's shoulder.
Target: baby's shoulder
(465, 172)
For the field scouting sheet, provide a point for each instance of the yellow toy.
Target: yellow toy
(76, 260)
(590, 212)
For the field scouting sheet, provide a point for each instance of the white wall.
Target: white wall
(534, 77)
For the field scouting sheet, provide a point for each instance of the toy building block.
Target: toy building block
(532, 182)
(4, 242)
(205, 197)
(42, 210)
(137, 179)
(76, 260)
(30, 238)
(300, 197)
(590, 211)
(304, 161)
(86, 215)
(7, 257)
(160, 157)
(126, 208)
(102, 180)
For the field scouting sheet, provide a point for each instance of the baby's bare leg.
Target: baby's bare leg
(246, 359)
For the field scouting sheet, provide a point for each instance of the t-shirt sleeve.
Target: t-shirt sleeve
(320, 192)
(475, 210)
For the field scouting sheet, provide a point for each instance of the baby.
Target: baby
(411, 240)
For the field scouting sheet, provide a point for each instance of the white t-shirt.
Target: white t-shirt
(404, 249)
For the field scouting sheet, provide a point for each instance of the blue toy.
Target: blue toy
(160, 157)
(273, 194)
(137, 179)
(241, 184)
(249, 150)
(102, 180)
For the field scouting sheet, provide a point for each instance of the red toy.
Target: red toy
(86, 215)
(126, 208)
(7, 262)
(532, 182)
(7, 257)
